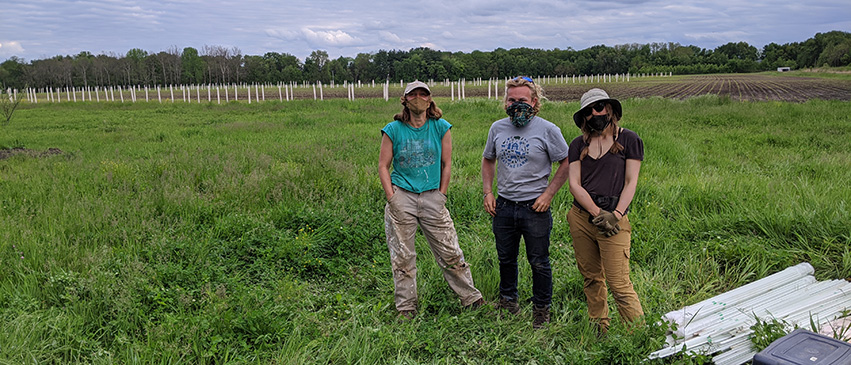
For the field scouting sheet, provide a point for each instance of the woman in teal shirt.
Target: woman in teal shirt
(417, 146)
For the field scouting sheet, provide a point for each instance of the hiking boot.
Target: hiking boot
(601, 330)
(406, 315)
(509, 305)
(540, 315)
(475, 305)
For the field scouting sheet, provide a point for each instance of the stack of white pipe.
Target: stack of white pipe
(722, 323)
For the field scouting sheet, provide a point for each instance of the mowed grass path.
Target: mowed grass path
(254, 233)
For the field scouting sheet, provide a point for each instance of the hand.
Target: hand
(607, 223)
(611, 232)
(542, 203)
(605, 219)
(490, 204)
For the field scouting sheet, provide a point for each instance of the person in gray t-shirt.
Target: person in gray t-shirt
(526, 147)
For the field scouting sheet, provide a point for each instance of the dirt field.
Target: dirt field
(750, 87)
(6, 153)
(743, 87)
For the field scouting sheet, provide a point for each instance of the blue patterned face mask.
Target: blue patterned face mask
(521, 113)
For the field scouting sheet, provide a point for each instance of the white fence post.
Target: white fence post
(496, 89)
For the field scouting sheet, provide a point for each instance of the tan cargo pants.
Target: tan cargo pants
(402, 214)
(604, 260)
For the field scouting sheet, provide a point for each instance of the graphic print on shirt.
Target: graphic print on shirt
(416, 153)
(514, 152)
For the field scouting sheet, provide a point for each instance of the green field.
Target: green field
(203, 233)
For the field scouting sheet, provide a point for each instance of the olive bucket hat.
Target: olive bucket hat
(589, 98)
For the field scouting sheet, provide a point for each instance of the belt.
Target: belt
(583, 211)
(525, 203)
(604, 202)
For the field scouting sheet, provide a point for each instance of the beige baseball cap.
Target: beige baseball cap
(416, 85)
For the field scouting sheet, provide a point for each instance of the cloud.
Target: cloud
(10, 48)
(381, 24)
(316, 38)
(287, 35)
(50, 27)
(389, 37)
(717, 37)
(330, 38)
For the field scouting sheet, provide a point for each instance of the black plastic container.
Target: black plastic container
(805, 347)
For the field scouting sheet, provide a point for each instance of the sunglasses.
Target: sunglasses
(598, 106)
(518, 78)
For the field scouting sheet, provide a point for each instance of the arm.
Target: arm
(488, 168)
(385, 160)
(630, 182)
(579, 193)
(445, 162)
(558, 180)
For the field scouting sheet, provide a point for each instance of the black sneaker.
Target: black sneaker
(540, 315)
(508, 305)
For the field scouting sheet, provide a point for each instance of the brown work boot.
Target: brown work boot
(601, 330)
(509, 305)
(475, 305)
(406, 315)
(540, 315)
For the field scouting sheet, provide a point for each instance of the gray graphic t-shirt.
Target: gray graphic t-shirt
(524, 156)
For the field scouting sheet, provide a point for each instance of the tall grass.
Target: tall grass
(253, 233)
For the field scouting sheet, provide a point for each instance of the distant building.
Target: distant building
(784, 69)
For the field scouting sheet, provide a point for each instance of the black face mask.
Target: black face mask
(598, 123)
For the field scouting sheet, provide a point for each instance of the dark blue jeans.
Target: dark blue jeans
(513, 220)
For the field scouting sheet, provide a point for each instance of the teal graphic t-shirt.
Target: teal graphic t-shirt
(416, 154)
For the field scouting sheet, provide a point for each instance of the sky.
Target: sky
(39, 29)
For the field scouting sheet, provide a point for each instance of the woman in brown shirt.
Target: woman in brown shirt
(604, 163)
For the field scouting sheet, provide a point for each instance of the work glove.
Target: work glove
(611, 232)
(606, 223)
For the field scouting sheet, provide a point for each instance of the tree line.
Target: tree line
(222, 65)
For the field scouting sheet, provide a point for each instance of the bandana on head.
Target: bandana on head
(521, 113)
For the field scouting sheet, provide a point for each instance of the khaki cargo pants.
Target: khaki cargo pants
(402, 214)
(604, 260)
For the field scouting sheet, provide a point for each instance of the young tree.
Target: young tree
(8, 104)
